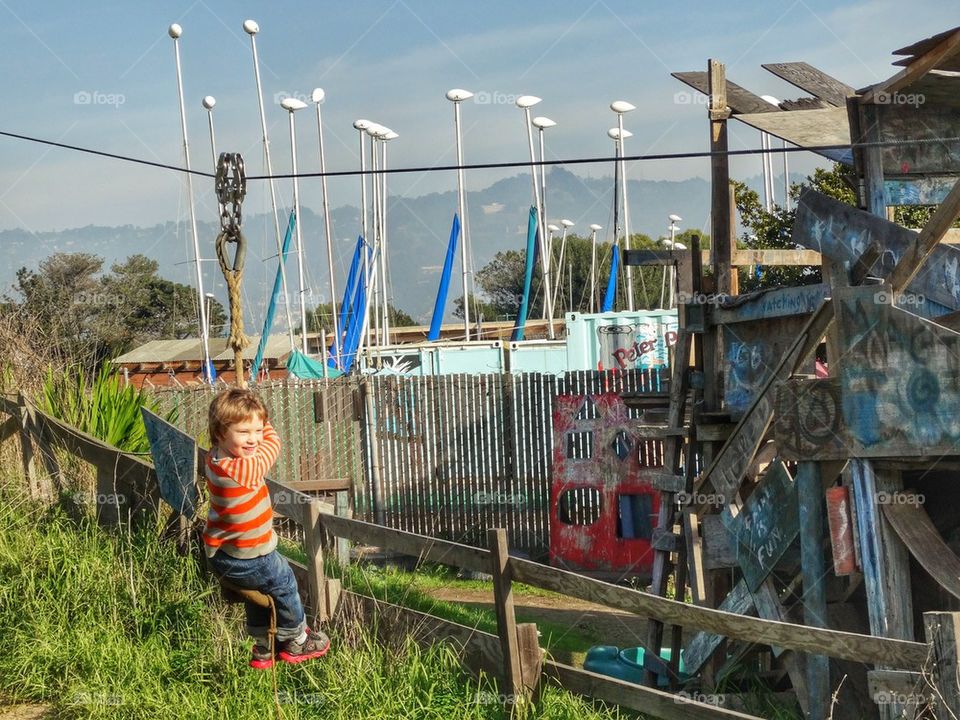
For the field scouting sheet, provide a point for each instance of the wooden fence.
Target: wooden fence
(446, 456)
(513, 655)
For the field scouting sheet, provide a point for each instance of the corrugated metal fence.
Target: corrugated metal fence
(448, 456)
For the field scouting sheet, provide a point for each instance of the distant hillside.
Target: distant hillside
(418, 232)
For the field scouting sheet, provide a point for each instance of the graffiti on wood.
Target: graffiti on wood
(843, 233)
(766, 525)
(751, 352)
(898, 394)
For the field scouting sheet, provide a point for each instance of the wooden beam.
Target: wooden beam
(812, 537)
(917, 68)
(943, 633)
(834, 643)
(719, 177)
(649, 701)
(432, 549)
(912, 524)
(927, 241)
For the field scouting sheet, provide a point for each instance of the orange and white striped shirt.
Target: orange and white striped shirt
(240, 521)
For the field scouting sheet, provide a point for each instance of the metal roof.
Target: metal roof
(172, 351)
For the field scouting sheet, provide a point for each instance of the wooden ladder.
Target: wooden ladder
(679, 472)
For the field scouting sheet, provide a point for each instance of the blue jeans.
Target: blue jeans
(271, 575)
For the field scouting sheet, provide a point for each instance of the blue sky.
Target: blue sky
(390, 61)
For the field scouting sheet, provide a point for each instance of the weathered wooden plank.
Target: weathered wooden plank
(919, 66)
(506, 617)
(432, 549)
(911, 522)
(719, 551)
(924, 244)
(702, 645)
(812, 541)
(695, 574)
(768, 304)
(834, 643)
(843, 233)
(894, 682)
(869, 414)
(750, 356)
(886, 569)
(922, 190)
(649, 701)
(817, 128)
(811, 80)
(738, 99)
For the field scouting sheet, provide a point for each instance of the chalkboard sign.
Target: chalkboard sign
(766, 525)
(175, 459)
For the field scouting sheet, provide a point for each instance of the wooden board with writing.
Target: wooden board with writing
(898, 394)
(842, 233)
(766, 525)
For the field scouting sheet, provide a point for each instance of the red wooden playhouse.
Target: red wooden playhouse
(602, 508)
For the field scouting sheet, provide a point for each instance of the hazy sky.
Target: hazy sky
(101, 74)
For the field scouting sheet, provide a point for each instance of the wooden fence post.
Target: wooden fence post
(26, 447)
(506, 620)
(313, 547)
(943, 634)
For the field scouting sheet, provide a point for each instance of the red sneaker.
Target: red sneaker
(262, 658)
(316, 645)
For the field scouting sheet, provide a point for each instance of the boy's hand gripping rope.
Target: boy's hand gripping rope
(231, 187)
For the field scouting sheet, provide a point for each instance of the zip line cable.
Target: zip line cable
(487, 166)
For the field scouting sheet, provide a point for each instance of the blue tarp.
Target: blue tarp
(307, 368)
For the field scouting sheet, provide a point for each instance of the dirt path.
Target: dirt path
(23, 712)
(608, 626)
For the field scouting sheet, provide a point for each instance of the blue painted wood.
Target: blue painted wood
(175, 459)
(812, 549)
(917, 191)
(868, 525)
(843, 233)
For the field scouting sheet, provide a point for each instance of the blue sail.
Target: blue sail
(274, 297)
(355, 328)
(527, 275)
(346, 305)
(612, 282)
(441, 302)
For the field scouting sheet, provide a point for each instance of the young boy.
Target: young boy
(239, 538)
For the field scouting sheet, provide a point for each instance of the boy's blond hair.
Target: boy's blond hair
(233, 406)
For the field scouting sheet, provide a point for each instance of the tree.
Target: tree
(61, 297)
(146, 306)
(320, 318)
(89, 318)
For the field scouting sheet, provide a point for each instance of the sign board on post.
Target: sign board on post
(765, 526)
(175, 459)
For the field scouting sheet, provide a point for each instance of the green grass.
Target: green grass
(101, 625)
(412, 590)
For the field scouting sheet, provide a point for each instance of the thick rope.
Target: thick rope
(238, 340)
